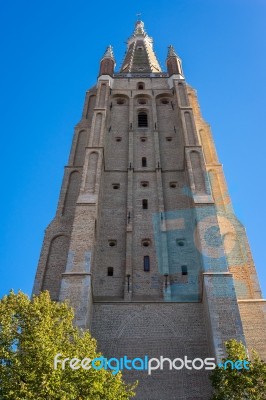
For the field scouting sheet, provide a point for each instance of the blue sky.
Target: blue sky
(50, 54)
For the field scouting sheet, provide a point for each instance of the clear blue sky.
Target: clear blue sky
(50, 52)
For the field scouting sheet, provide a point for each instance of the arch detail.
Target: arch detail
(102, 95)
(97, 130)
(182, 95)
(91, 172)
(80, 148)
(55, 266)
(91, 105)
(72, 193)
(197, 171)
(190, 129)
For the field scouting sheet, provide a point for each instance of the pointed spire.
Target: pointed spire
(171, 52)
(107, 64)
(109, 53)
(140, 56)
(173, 61)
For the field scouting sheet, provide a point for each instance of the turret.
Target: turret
(173, 62)
(107, 64)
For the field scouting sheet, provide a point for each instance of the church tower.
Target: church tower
(145, 243)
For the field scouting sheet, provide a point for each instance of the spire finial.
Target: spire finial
(139, 27)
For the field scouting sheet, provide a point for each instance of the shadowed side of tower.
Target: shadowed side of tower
(145, 243)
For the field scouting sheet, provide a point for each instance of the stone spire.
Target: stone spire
(107, 65)
(174, 63)
(171, 52)
(109, 53)
(140, 56)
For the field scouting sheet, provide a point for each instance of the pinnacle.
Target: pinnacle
(171, 52)
(139, 28)
(109, 53)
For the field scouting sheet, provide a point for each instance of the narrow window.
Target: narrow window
(112, 243)
(140, 86)
(143, 139)
(142, 120)
(110, 271)
(118, 139)
(144, 161)
(184, 270)
(145, 204)
(169, 139)
(146, 263)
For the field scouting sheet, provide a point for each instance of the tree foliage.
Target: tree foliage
(32, 332)
(242, 384)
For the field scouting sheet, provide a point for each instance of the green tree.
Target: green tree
(239, 384)
(32, 332)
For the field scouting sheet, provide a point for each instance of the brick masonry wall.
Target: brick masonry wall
(236, 246)
(254, 322)
(111, 227)
(171, 330)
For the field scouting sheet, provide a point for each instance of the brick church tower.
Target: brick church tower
(145, 243)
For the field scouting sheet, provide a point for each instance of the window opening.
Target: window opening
(146, 262)
(144, 161)
(142, 120)
(184, 270)
(145, 204)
